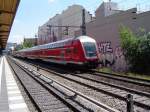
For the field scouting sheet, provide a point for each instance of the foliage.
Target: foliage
(136, 50)
(105, 69)
(24, 45)
(27, 44)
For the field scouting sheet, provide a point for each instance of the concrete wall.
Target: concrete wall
(105, 29)
(72, 16)
(45, 34)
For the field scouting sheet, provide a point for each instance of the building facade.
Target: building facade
(32, 41)
(105, 29)
(69, 17)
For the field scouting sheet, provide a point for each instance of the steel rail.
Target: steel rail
(103, 91)
(116, 86)
(124, 80)
(97, 89)
(123, 76)
(32, 99)
(76, 92)
(144, 81)
(105, 83)
(127, 79)
(27, 92)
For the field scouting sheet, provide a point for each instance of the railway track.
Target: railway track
(50, 95)
(124, 77)
(112, 79)
(112, 92)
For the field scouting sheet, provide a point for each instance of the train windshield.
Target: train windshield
(90, 49)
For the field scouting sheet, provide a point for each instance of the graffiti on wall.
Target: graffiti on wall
(118, 52)
(120, 63)
(110, 56)
(105, 47)
(106, 53)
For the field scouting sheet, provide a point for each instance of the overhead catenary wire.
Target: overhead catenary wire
(101, 25)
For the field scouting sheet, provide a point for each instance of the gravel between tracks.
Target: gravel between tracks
(43, 98)
(118, 82)
(30, 105)
(88, 105)
(113, 102)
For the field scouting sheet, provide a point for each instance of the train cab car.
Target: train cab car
(88, 52)
(81, 51)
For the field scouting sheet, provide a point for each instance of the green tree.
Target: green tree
(136, 50)
(27, 44)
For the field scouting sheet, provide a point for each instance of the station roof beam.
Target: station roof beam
(8, 10)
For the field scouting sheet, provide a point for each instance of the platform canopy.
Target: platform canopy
(8, 10)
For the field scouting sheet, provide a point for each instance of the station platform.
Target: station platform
(11, 99)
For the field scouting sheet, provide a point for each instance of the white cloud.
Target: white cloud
(50, 1)
(17, 21)
(16, 39)
(105, 0)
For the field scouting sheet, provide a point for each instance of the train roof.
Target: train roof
(85, 39)
(60, 43)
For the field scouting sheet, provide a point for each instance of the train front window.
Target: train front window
(90, 49)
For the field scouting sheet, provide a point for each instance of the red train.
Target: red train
(79, 51)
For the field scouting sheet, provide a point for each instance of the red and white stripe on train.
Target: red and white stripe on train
(81, 50)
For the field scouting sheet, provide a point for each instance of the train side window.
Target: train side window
(75, 50)
(68, 50)
(55, 45)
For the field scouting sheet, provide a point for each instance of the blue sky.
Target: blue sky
(33, 13)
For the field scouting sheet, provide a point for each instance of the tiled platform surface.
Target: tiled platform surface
(11, 99)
